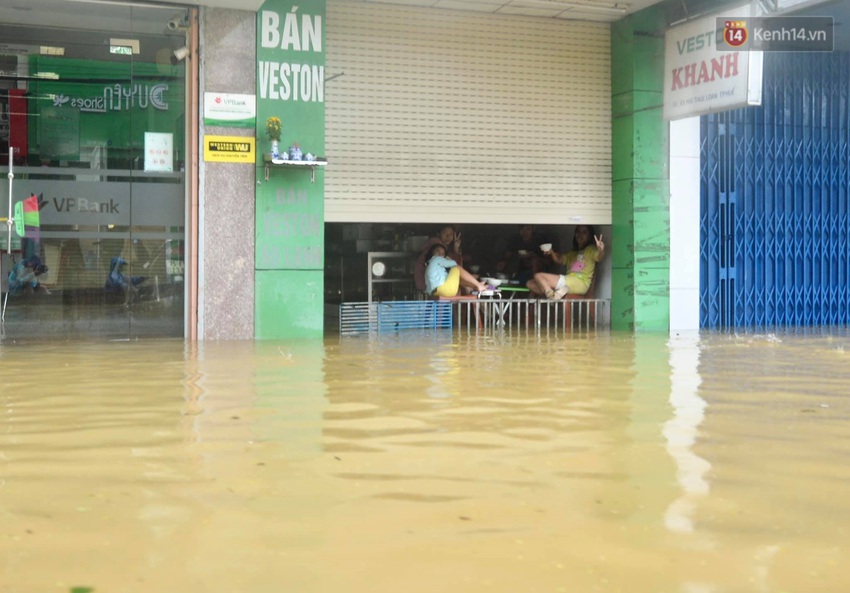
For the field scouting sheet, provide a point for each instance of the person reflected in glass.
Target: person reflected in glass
(588, 250)
(445, 278)
(118, 280)
(25, 276)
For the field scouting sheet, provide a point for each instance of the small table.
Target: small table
(513, 290)
(501, 306)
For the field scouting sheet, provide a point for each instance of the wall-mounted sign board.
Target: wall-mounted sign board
(229, 149)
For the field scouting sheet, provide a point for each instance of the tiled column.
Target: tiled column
(640, 297)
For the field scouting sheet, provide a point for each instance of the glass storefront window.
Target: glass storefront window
(95, 117)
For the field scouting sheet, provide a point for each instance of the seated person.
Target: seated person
(118, 280)
(581, 264)
(25, 274)
(444, 277)
(450, 242)
(522, 258)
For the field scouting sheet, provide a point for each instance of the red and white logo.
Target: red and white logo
(735, 33)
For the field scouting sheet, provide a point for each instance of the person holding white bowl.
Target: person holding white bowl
(521, 258)
(580, 262)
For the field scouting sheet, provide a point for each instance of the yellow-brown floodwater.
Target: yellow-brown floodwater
(427, 463)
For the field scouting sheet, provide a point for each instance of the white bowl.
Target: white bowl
(492, 281)
(546, 247)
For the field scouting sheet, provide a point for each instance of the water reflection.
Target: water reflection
(425, 462)
(681, 433)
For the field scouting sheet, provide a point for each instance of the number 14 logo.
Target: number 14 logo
(735, 33)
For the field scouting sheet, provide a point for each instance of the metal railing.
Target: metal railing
(476, 315)
(533, 314)
(391, 316)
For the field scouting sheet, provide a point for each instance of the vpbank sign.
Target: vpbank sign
(700, 77)
(232, 110)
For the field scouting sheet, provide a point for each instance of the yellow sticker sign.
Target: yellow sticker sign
(229, 149)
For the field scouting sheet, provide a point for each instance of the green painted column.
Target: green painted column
(290, 210)
(640, 299)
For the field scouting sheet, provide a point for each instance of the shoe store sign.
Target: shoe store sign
(291, 46)
(291, 74)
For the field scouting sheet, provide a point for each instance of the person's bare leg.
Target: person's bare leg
(562, 292)
(534, 288)
(470, 281)
(546, 282)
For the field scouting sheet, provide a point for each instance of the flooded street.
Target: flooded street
(427, 462)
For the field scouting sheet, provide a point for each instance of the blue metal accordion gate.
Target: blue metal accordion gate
(774, 200)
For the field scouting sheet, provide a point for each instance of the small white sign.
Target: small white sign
(699, 78)
(16, 49)
(227, 109)
(159, 151)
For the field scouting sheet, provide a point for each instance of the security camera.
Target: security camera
(177, 22)
(179, 54)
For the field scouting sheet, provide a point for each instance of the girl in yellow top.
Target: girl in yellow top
(581, 264)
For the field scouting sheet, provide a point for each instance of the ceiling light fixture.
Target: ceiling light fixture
(124, 46)
(121, 3)
(614, 9)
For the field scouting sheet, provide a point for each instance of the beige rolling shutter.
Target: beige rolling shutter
(436, 116)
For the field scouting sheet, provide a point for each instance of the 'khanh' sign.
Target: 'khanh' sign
(699, 78)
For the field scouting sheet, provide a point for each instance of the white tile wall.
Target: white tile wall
(684, 224)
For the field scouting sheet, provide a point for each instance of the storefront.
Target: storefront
(93, 108)
(423, 116)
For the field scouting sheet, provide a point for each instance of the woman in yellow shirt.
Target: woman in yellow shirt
(581, 264)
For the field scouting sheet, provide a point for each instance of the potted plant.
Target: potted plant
(273, 129)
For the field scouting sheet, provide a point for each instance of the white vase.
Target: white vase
(275, 149)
